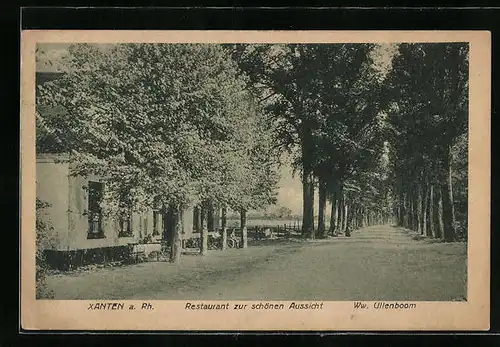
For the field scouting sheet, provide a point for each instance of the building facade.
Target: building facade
(81, 234)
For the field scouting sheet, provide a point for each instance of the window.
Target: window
(144, 224)
(156, 223)
(94, 210)
(125, 222)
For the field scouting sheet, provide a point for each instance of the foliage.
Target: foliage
(324, 102)
(43, 239)
(460, 183)
(164, 123)
(427, 105)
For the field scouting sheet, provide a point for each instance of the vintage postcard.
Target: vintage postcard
(255, 180)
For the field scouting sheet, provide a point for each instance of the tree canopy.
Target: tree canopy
(179, 124)
(427, 103)
(165, 122)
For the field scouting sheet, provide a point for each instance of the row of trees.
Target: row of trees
(166, 125)
(427, 104)
(325, 103)
(172, 125)
(375, 144)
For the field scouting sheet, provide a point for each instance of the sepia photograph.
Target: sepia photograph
(283, 175)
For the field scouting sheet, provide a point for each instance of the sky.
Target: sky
(49, 59)
(50, 55)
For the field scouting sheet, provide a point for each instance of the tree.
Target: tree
(427, 107)
(169, 124)
(311, 93)
(280, 76)
(349, 138)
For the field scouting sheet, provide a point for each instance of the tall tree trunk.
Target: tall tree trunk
(224, 227)
(167, 227)
(204, 231)
(404, 223)
(176, 243)
(408, 213)
(355, 219)
(333, 219)
(423, 207)
(308, 203)
(398, 214)
(416, 215)
(311, 193)
(181, 216)
(400, 220)
(401, 205)
(210, 216)
(196, 219)
(321, 208)
(340, 208)
(441, 217)
(411, 212)
(447, 196)
(349, 218)
(155, 223)
(344, 213)
(418, 211)
(360, 216)
(243, 224)
(430, 212)
(438, 214)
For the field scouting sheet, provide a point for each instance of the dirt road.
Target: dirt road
(376, 263)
